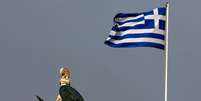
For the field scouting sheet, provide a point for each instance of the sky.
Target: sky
(39, 36)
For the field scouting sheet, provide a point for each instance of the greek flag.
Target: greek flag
(146, 29)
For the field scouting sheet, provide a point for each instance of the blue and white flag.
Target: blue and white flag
(146, 29)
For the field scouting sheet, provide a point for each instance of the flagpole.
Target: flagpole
(166, 51)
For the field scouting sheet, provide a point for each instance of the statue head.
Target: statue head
(64, 71)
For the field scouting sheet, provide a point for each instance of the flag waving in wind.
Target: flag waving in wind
(146, 29)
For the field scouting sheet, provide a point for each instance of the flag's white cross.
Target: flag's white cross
(156, 17)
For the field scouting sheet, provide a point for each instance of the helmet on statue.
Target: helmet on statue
(64, 71)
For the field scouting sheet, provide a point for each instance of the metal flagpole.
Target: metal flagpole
(166, 50)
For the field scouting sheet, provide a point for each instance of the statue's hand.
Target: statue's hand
(58, 98)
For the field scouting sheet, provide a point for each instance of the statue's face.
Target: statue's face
(65, 73)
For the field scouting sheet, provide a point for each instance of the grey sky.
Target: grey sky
(38, 36)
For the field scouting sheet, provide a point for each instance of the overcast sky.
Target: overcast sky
(38, 36)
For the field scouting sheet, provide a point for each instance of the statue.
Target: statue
(66, 92)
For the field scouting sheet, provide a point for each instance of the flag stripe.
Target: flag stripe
(133, 40)
(136, 44)
(138, 31)
(162, 11)
(131, 24)
(130, 20)
(145, 35)
(124, 15)
(148, 24)
(139, 25)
